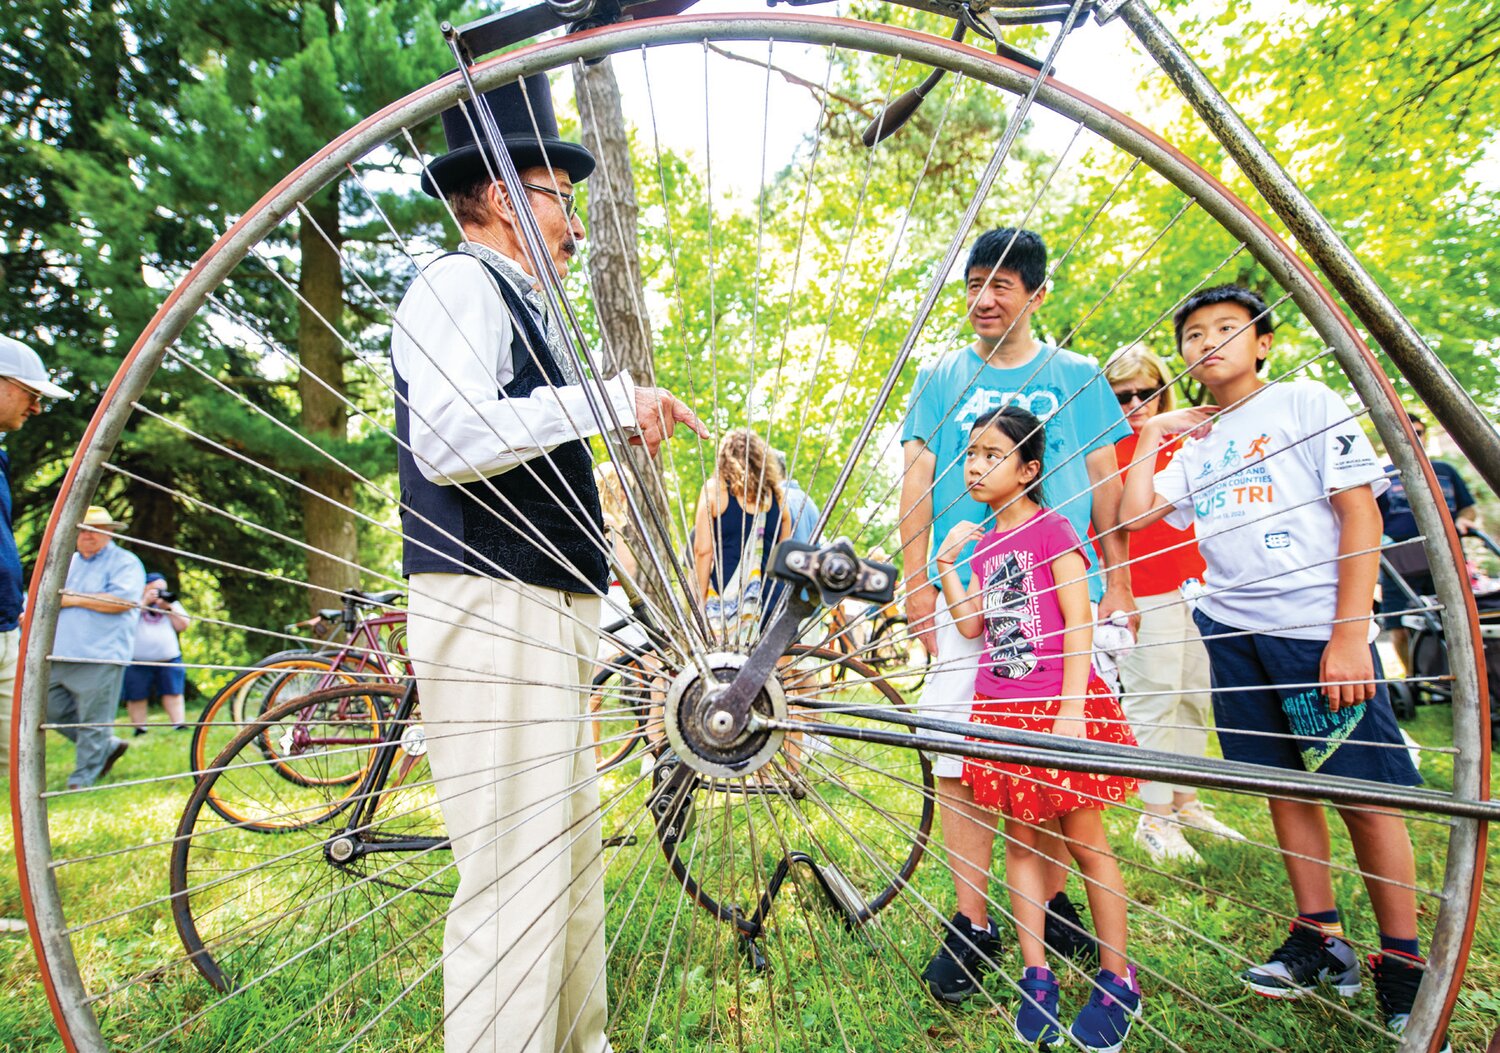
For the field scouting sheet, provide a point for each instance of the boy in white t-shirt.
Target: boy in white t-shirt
(1280, 484)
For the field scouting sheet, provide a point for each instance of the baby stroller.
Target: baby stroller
(1427, 653)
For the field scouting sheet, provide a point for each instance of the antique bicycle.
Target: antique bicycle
(318, 912)
(373, 646)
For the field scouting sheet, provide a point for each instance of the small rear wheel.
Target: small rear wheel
(324, 915)
(620, 706)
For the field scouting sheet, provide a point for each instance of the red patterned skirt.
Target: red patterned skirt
(1034, 795)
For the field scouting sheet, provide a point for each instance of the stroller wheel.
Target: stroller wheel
(1403, 699)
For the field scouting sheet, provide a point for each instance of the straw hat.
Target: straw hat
(98, 516)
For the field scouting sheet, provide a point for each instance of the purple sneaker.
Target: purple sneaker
(1036, 1019)
(1101, 1026)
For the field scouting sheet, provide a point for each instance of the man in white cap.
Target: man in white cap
(24, 382)
(101, 602)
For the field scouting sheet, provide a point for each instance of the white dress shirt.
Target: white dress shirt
(452, 346)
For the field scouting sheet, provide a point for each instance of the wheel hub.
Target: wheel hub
(701, 730)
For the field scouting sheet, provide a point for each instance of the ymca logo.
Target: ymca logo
(1346, 443)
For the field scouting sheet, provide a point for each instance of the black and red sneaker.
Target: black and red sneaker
(1397, 978)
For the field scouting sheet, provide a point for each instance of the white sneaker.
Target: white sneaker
(1163, 841)
(1197, 816)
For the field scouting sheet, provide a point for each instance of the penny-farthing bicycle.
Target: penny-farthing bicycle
(793, 282)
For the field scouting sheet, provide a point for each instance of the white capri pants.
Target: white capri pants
(948, 693)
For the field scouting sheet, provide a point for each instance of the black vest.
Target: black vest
(539, 522)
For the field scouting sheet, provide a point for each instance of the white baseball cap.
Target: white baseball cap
(24, 366)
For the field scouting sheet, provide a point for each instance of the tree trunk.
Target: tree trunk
(619, 299)
(153, 518)
(328, 529)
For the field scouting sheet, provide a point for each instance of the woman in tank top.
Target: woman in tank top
(741, 516)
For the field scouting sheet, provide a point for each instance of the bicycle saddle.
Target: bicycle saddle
(375, 599)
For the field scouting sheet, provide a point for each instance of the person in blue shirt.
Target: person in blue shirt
(1006, 365)
(101, 603)
(24, 382)
(802, 508)
(1398, 524)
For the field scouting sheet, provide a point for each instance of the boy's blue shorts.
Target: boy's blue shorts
(1247, 666)
(143, 681)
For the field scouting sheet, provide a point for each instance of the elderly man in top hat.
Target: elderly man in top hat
(24, 382)
(504, 548)
(101, 602)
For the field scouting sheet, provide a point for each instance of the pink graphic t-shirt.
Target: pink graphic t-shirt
(1023, 622)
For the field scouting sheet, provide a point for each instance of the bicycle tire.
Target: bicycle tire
(228, 705)
(621, 689)
(349, 760)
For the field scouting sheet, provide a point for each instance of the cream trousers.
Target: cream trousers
(499, 667)
(1166, 688)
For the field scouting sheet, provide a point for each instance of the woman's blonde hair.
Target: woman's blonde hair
(1134, 360)
(748, 468)
(611, 495)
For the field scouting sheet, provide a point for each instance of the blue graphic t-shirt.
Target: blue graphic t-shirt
(1064, 389)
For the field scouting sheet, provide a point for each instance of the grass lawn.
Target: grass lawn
(678, 978)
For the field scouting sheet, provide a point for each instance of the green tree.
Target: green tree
(270, 88)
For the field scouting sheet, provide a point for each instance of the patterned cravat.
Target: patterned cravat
(523, 284)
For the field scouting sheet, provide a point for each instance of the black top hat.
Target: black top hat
(520, 117)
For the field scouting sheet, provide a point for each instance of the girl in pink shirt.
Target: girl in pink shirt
(1029, 598)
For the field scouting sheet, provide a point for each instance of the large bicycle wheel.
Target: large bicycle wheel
(793, 282)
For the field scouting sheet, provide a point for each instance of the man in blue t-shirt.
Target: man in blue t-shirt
(1006, 364)
(24, 382)
(1398, 524)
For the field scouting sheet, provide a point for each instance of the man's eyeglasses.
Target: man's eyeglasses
(31, 393)
(1137, 394)
(567, 201)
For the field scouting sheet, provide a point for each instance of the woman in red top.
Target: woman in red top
(1165, 677)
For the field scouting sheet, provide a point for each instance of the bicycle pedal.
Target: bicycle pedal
(754, 955)
(619, 841)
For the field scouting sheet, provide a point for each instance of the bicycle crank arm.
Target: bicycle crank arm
(828, 575)
(345, 848)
